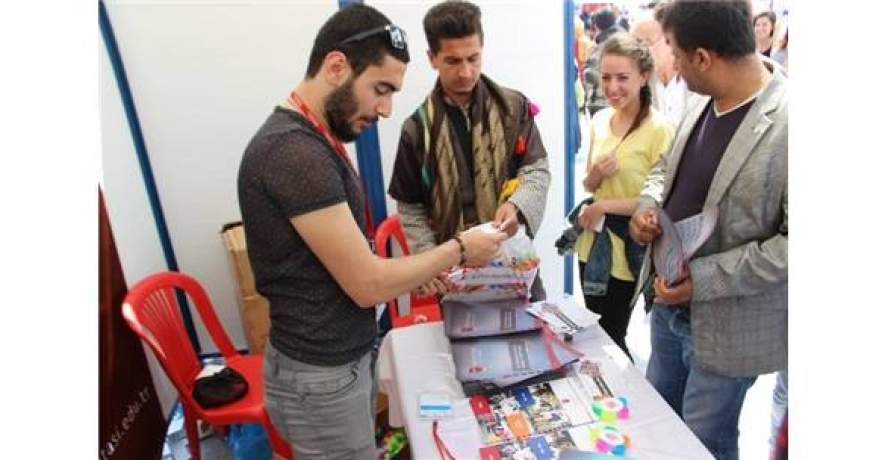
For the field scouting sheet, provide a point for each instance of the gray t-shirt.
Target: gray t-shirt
(288, 170)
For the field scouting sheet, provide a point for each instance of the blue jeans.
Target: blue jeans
(323, 412)
(709, 403)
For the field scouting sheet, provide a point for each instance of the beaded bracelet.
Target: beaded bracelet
(462, 249)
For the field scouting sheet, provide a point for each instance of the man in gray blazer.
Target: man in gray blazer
(714, 332)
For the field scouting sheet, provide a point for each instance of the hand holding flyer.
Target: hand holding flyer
(679, 241)
(509, 275)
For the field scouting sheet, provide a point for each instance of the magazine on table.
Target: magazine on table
(679, 241)
(575, 443)
(529, 410)
(549, 420)
(563, 314)
(487, 292)
(552, 419)
(466, 319)
(505, 360)
(570, 444)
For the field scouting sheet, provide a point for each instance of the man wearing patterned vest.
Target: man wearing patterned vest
(471, 153)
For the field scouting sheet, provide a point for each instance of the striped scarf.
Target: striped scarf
(493, 131)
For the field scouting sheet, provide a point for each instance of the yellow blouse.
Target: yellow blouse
(636, 156)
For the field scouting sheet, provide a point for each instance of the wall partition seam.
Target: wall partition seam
(571, 128)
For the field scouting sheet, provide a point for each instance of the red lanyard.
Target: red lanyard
(295, 101)
(439, 443)
(550, 339)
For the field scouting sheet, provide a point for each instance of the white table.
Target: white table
(417, 359)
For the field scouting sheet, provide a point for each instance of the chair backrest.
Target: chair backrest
(426, 307)
(388, 228)
(152, 312)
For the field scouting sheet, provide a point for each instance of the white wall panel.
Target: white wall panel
(204, 76)
(132, 224)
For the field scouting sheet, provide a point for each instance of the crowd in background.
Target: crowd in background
(596, 22)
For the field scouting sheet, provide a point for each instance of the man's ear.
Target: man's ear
(335, 68)
(703, 58)
(431, 55)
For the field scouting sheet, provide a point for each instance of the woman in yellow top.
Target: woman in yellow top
(627, 140)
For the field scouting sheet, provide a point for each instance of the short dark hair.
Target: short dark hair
(604, 19)
(772, 18)
(348, 22)
(452, 19)
(723, 27)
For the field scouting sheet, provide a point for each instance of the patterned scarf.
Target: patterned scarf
(493, 132)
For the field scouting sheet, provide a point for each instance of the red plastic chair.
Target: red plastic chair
(151, 310)
(422, 309)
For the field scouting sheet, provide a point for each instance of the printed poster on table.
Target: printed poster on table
(508, 359)
(465, 319)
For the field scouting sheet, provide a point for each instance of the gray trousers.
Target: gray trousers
(323, 412)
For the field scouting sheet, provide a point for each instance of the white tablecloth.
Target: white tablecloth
(416, 359)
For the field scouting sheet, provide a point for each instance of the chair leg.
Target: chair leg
(278, 444)
(192, 435)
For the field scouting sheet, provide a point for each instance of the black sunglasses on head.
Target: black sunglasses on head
(397, 37)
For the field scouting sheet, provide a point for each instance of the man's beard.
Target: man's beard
(339, 107)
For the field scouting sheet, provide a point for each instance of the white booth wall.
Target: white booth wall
(204, 75)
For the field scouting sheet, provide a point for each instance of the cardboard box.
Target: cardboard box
(382, 402)
(254, 307)
(256, 322)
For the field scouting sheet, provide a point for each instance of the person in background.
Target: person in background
(583, 45)
(604, 24)
(304, 210)
(781, 52)
(620, 16)
(669, 90)
(627, 139)
(471, 152)
(585, 14)
(725, 324)
(765, 23)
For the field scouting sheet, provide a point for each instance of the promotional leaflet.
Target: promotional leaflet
(679, 241)
(466, 319)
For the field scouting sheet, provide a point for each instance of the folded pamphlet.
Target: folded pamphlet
(679, 241)
(563, 314)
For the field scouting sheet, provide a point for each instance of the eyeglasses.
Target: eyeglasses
(397, 37)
